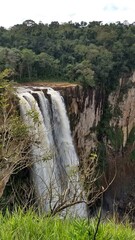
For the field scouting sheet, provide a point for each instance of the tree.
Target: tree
(102, 64)
(29, 23)
(80, 52)
(48, 65)
(83, 73)
(28, 58)
(3, 58)
(14, 137)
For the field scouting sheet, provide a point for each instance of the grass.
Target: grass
(30, 226)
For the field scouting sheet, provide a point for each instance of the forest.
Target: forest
(93, 54)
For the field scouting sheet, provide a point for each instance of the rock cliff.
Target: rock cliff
(85, 109)
(121, 149)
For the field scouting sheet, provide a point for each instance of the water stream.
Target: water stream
(55, 163)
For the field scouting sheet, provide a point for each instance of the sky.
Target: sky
(16, 11)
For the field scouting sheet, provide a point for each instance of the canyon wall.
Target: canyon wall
(85, 108)
(121, 154)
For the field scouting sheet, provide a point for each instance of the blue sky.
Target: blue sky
(17, 11)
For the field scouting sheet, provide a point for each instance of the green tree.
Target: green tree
(81, 73)
(102, 64)
(3, 58)
(14, 138)
(28, 59)
(48, 65)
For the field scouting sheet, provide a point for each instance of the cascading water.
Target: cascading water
(67, 159)
(43, 171)
(55, 175)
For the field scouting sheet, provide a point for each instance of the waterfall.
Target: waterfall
(55, 163)
(43, 170)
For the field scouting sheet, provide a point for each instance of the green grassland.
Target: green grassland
(30, 226)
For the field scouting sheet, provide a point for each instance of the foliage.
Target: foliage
(115, 135)
(131, 137)
(130, 143)
(14, 137)
(102, 156)
(32, 226)
(93, 53)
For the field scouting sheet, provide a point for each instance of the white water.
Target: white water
(43, 171)
(44, 105)
(52, 135)
(67, 157)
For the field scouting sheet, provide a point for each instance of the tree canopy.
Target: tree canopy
(93, 53)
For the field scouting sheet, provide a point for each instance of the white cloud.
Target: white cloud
(16, 11)
(110, 7)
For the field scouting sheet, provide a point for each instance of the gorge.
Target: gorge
(85, 108)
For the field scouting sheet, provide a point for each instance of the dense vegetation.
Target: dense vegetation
(91, 53)
(31, 226)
